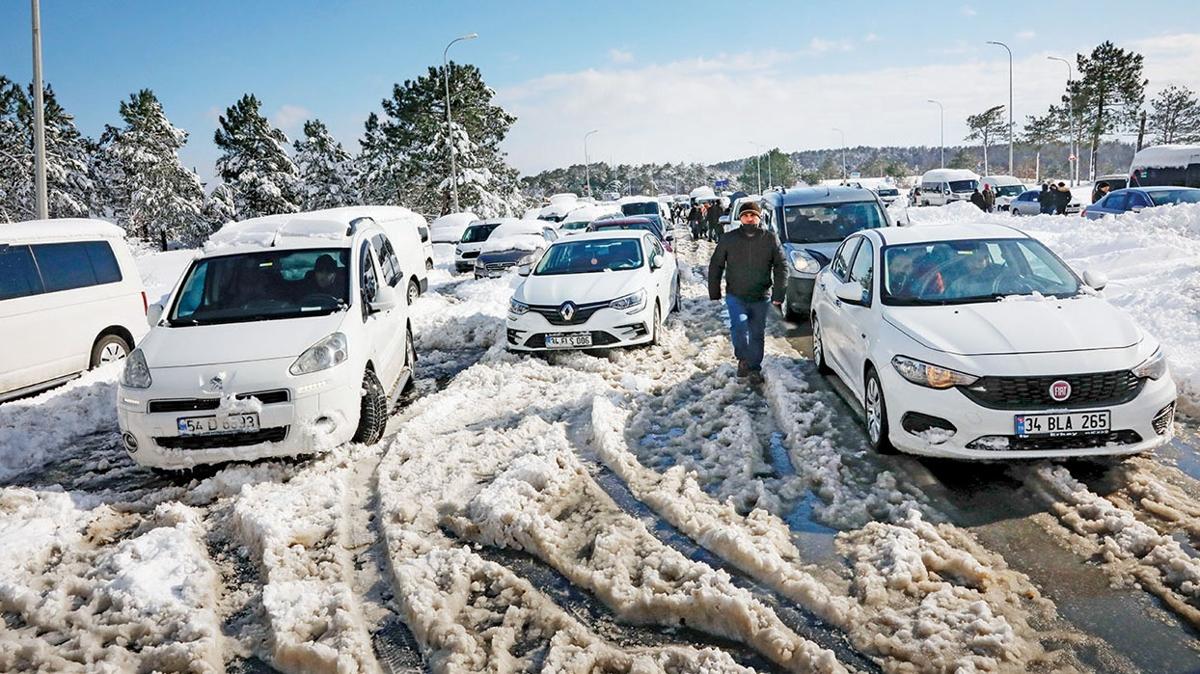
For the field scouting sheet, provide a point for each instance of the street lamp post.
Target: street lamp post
(1073, 164)
(587, 164)
(39, 119)
(450, 123)
(942, 128)
(844, 175)
(1011, 170)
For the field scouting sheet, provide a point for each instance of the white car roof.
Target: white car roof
(304, 230)
(59, 229)
(1002, 180)
(515, 227)
(607, 234)
(1166, 156)
(950, 174)
(637, 199)
(455, 219)
(955, 232)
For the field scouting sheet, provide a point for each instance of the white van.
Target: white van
(70, 299)
(289, 335)
(1167, 166)
(941, 186)
(1006, 188)
(467, 249)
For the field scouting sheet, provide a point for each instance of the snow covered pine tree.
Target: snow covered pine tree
(255, 163)
(326, 171)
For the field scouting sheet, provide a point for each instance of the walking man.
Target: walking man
(714, 221)
(1062, 199)
(1046, 199)
(989, 199)
(750, 259)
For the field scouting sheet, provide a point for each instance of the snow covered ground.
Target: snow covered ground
(640, 510)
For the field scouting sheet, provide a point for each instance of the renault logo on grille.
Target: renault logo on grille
(567, 311)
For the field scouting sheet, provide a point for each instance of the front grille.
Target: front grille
(1001, 443)
(204, 404)
(599, 338)
(224, 439)
(470, 255)
(1026, 393)
(582, 313)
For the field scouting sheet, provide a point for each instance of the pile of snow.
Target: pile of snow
(528, 242)
(160, 271)
(450, 228)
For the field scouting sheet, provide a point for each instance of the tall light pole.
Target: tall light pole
(450, 122)
(1011, 170)
(587, 164)
(1073, 165)
(942, 128)
(39, 120)
(844, 175)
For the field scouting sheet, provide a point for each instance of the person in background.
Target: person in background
(989, 198)
(751, 261)
(695, 217)
(1102, 190)
(1046, 200)
(977, 199)
(1062, 198)
(713, 218)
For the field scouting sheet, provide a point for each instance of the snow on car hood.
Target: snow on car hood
(579, 288)
(528, 242)
(1006, 327)
(236, 342)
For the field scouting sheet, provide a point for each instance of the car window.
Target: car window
(1175, 197)
(389, 266)
(862, 271)
(367, 278)
(424, 232)
(656, 248)
(841, 261)
(1116, 202)
(65, 266)
(1138, 200)
(18, 274)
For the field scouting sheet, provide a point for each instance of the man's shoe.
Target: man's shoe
(743, 369)
(756, 377)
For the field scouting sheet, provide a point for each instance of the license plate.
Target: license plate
(569, 340)
(214, 425)
(1077, 423)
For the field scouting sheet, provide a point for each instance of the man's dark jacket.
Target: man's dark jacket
(751, 264)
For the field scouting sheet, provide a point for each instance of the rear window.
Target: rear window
(824, 223)
(963, 185)
(18, 274)
(640, 208)
(65, 266)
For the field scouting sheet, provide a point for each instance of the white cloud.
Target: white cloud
(819, 45)
(871, 37)
(620, 56)
(1026, 35)
(968, 10)
(290, 118)
(646, 112)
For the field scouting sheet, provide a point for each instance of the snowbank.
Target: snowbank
(450, 228)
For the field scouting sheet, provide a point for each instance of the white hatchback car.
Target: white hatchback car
(290, 335)
(977, 342)
(596, 289)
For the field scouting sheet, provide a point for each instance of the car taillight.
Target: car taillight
(145, 304)
(1083, 212)
(668, 245)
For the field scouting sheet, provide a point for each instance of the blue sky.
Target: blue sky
(663, 81)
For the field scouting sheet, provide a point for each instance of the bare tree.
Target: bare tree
(984, 127)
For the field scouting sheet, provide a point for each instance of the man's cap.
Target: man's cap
(751, 206)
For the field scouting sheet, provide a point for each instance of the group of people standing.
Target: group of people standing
(1054, 199)
(705, 220)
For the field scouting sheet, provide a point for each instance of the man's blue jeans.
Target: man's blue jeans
(748, 327)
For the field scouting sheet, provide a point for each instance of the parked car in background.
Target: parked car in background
(70, 299)
(1006, 188)
(811, 222)
(1026, 203)
(578, 219)
(289, 335)
(941, 186)
(1114, 182)
(558, 208)
(929, 328)
(515, 243)
(1166, 165)
(596, 289)
(450, 228)
(642, 205)
(645, 223)
(473, 238)
(1135, 199)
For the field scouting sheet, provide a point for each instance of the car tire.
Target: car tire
(818, 348)
(410, 361)
(108, 349)
(875, 414)
(656, 327)
(678, 304)
(373, 414)
(414, 291)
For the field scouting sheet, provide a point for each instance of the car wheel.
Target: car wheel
(656, 328)
(678, 304)
(373, 414)
(818, 348)
(428, 264)
(108, 349)
(410, 361)
(414, 290)
(875, 408)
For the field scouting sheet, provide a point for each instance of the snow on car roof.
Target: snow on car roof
(298, 230)
(589, 213)
(455, 219)
(607, 234)
(514, 227)
(638, 199)
(950, 174)
(954, 232)
(59, 229)
(1166, 156)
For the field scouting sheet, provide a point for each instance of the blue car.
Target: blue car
(1136, 198)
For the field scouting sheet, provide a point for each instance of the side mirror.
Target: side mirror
(724, 220)
(386, 299)
(655, 261)
(850, 292)
(154, 314)
(524, 269)
(1097, 280)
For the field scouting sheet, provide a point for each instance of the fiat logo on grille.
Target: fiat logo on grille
(567, 311)
(1060, 390)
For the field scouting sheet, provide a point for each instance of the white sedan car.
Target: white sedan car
(977, 342)
(597, 289)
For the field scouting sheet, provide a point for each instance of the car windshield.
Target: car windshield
(1009, 190)
(265, 285)
(478, 233)
(640, 208)
(643, 226)
(823, 223)
(573, 226)
(582, 257)
(888, 191)
(964, 185)
(982, 270)
(1175, 197)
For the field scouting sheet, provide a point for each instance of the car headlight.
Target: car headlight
(136, 373)
(517, 307)
(631, 302)
(1153, 367)
(932, 376)
(323, 355)
(479, 263)
(527, 260)
(803, 262)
